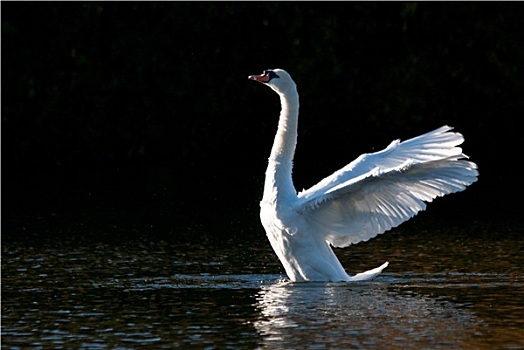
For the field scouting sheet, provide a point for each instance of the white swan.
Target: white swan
(372, 194)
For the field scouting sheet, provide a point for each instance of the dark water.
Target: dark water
(452, 287)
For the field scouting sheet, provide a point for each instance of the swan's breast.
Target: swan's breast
(281, 218)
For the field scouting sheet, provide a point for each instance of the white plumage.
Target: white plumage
(372, 194)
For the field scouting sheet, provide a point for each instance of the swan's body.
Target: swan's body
(372, 194)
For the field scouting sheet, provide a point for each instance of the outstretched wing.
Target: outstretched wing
(381, 190)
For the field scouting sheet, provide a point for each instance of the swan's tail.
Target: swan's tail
(364, 276)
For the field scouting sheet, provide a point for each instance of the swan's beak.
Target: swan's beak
(263, 78)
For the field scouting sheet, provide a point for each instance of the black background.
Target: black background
(133, 117)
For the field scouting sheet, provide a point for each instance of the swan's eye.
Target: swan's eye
(272, 75)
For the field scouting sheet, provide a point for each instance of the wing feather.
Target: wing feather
(434, 145)
(381, 190)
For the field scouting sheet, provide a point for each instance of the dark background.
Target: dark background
(138, 117)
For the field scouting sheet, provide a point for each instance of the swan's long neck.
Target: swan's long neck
(279, 183)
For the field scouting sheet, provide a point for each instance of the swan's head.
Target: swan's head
(277, 79)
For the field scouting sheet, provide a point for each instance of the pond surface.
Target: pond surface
(451, 287)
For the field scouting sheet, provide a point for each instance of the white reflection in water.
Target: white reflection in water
(363, 315)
